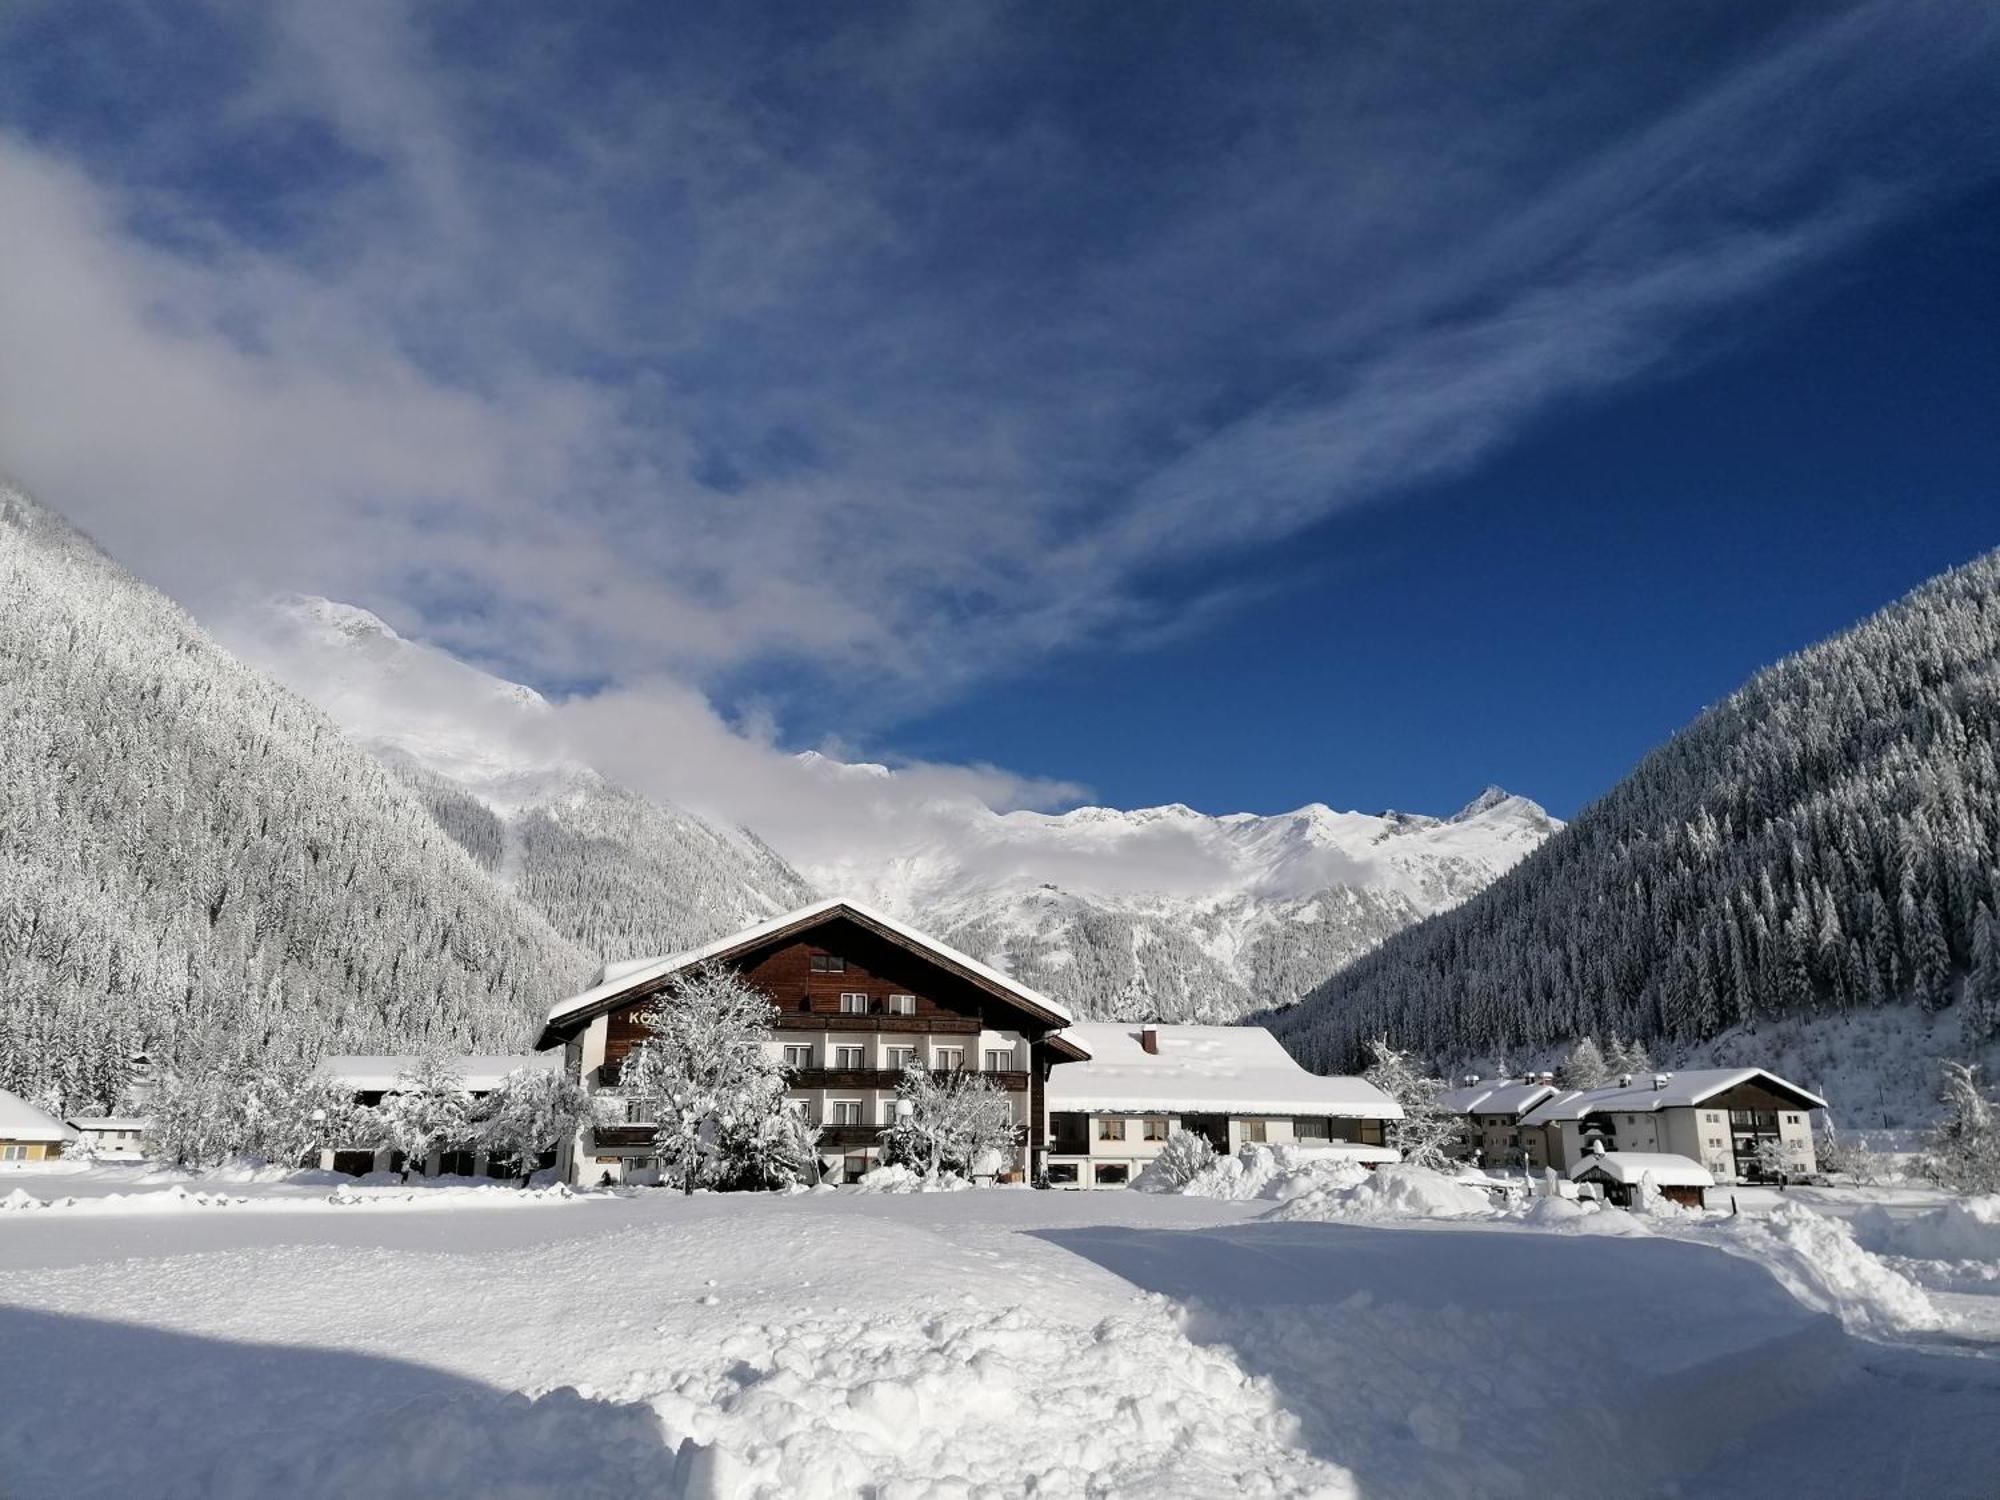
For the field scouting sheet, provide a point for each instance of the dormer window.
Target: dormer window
(828, 963)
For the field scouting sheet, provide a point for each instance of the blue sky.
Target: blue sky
(1233, 405)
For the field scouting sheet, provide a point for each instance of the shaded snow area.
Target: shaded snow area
(1323, 1332)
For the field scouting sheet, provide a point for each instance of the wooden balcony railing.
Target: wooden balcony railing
(883, 1078)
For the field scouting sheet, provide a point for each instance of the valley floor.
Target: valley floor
(290, 1339)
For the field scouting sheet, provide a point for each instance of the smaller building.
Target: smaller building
(1736, 1122)
(112, 1137)
(1235, 1085)
(1492, 1108)
(28, 1134)
(369, 1080)
(1622, 1174)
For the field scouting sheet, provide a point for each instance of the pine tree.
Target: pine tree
(1584, 1068)
(706, 1071)
(1982, 991)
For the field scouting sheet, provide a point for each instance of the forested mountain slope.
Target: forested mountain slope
(1827, 838)
(194, 860)
(616, 873)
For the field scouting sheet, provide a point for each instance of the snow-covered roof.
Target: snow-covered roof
(1495, 1096)
(109, 1122)
(619, 979)
(1627, 1167)
(479, 1073)
(21, 1121)
(1224, 1070)
(1641, 1095)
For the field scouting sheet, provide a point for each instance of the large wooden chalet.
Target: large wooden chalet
(858, 995)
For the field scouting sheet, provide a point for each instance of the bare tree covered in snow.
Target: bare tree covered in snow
(1426, 1130)
(954, 1122)
(706, 1072)
(531, 1113)
(1964, 1150)
(428, 1110)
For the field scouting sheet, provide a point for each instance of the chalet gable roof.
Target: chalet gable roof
(620, 982)
(1681, 1090)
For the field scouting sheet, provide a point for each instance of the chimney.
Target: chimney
(1624, 1080)
(1659, 1080)
(1471, 1079)
(1548, 1078)
(1149, 1038)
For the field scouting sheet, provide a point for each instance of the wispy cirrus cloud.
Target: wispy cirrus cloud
(874, 354)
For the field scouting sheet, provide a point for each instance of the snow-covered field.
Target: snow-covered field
(247, 1337)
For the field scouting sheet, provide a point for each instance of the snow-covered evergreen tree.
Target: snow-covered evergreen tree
(290, 1113)
(1584, 1067)
(531, 1113)
(1184, 1157)
(1963, 1153)
(706, 1071)
(949, 1122)
(1426, 1131)
(428, 1110)
(1982, 986)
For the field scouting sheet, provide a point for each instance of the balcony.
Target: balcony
(883, 1078)
(838, 1137)
(621, 1137)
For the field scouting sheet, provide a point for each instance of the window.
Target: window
(902, 1005)
(949, 1059)
(13, 1152)
(854, 1168)
(1791, 1119)
(999, 1060)
(1155, 1128)
(1312, 1128)
(850, 1057)
(1062, 1174)
(828, 963)
(846, 1111)
(901, 1057)
(798, 1055)
(1112, 1174)
(853, 1003)
(1253, 1130)
(1110, 1130)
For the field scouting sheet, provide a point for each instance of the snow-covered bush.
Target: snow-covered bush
(712, 1083)
(1402, 1191)
(532, 1112)
(1426, 1130)
(289, 1111)
(428, 1110)
(1185, 1157)
(949, 1122)
(764, 1152)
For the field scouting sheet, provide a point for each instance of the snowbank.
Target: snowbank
(900, 1179)
(1280, 1173)
(1964, 1229)
(1399, 1192)
(1817, 1259)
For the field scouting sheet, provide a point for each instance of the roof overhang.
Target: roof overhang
(568, 1017)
